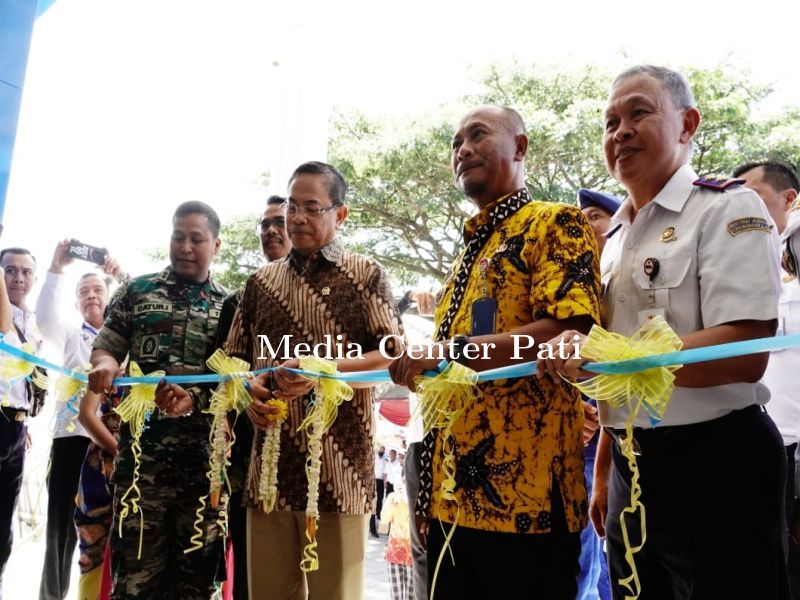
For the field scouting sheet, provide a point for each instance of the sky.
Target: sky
(133, 106)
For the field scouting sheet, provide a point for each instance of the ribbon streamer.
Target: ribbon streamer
(230, 395)
(330, 393)
(136, 410)
(442, 401)
(652, 390)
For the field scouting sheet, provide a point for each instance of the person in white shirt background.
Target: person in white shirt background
(18, 326)
(380, 473)
(777, 184)
(392, 473)
(70, 439)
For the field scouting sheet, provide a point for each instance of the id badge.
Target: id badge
(484, 316)
(650, 313)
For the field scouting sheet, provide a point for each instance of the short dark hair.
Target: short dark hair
(195, 207)
(273, 200)
(778, 174)
(90, 274)
(17, 250)
(675, 83)
(337, 187)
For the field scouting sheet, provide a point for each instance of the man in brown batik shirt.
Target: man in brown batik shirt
(319, 290)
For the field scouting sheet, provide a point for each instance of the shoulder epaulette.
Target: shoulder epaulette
(717, 183)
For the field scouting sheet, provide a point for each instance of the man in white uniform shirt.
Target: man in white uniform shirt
(392, 473)
(18, 325)
(69, 437)
(702, 253)
(777, 185)
(380, 472)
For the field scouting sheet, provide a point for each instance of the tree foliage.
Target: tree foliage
(406, 211)
(240, 253)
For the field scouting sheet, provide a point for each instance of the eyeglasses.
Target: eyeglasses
(276, 222)
(293, 210)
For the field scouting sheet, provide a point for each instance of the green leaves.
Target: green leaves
(240, 253)
(406, 211)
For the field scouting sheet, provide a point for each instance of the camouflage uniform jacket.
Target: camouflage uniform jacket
(163, 323)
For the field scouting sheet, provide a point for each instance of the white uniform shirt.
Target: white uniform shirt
(380, 466)
(718, 262)
(780, 376)
(394, 472)
(418, 331)
(25, 321)
(74, 342)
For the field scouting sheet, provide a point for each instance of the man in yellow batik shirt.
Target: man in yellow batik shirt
(529, 268)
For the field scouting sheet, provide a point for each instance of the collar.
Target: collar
(673, 197)
(490, 211)
(87, 327)
(676, 191)
(20, 315)
(331, 252)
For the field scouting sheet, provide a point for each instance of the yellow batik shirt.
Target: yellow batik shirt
(521, 434)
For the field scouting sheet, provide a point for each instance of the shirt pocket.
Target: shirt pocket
(662, 291)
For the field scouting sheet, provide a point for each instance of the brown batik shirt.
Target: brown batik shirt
(332, 293)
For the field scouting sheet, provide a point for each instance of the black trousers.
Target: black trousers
(792, 548)
(379, 492)
(66, 459)
(12, 461)
(491, 565)
(713, 495)
(418, 554)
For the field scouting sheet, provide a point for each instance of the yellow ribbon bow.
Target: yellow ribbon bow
(230, 395)
(135, 410)
(69, 390)
(330, 393)
(13, 368)
(651, 388)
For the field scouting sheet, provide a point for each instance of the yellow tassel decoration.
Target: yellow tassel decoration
(13, 368)
(135, 410)
(230, 395)
(652, 390)
(69, 390)
(442, 401)
(330, 393)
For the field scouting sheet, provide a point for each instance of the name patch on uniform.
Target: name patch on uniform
(148, 307)
(748, 224)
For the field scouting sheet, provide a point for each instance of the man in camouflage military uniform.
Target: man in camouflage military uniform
(168, 321)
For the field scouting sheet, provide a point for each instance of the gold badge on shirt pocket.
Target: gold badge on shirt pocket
(668, 235)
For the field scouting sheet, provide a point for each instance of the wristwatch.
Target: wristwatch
(459, 342)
